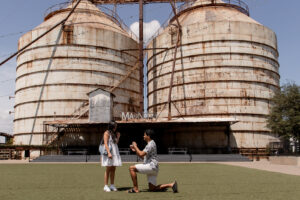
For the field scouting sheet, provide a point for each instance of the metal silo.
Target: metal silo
(226, 66)
(55, 74)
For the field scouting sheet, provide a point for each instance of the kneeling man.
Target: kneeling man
(149, 167)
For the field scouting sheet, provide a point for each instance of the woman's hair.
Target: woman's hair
(150, 133)
(112, 131)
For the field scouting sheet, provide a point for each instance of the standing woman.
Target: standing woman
(112, 159)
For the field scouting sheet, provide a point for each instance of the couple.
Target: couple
(149, 167)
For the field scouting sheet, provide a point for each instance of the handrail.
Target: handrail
(56, 7)
(113, 16)
(108, 12)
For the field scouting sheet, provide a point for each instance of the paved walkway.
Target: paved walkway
(14, 161)
(267, 166)
(261, 165)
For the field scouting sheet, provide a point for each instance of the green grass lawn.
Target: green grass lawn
(196, 181)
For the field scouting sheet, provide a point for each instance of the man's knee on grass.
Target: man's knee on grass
(152, 187)
(156, 188)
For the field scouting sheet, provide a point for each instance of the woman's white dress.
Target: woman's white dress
(116, 158)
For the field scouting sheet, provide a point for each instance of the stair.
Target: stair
(81, 111)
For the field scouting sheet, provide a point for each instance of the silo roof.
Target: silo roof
(202, 11)
(204, 2)
(86, 14)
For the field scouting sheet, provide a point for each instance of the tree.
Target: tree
(284, 118)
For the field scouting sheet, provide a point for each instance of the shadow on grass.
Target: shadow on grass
(145, 190)
(124, 188)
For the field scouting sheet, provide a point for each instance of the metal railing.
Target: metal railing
(108, 13)
(237, 4)
(115, 18)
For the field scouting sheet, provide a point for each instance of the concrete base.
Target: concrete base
(285, 160)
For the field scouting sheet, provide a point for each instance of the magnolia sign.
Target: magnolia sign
(130, 115)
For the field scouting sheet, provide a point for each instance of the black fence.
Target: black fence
(284, 148)
(161, 157)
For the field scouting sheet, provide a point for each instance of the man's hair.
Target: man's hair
(150, 133)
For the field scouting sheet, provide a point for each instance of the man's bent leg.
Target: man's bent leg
(133, 170)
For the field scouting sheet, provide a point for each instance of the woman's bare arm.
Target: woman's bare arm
(105, 139)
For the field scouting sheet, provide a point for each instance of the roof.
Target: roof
(204, 11)
(102, 90)
(6, 135)
(86, 14)
(132, 1)
(148, 121)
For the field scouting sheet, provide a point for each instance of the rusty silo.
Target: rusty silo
(55, 74)
(226, 66)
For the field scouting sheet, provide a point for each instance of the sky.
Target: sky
(19, 16)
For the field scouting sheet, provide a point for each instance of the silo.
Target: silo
(226, 66)
(55, 74)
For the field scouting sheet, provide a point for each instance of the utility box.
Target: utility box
(101, 106)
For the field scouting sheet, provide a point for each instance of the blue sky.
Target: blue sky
(19, 16)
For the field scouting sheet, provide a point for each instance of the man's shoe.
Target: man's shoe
(175, 187)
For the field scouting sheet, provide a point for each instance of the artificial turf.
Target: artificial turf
(196, 181)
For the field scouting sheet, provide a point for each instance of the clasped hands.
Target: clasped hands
(133, 146)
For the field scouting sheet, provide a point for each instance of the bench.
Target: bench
(124, 151)
(174, 150)
(255, 153)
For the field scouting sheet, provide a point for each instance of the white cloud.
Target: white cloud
(150, 29)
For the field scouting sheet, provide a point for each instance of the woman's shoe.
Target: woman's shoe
(106, 189)
(113, 188)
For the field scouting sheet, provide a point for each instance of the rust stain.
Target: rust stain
(243, 93)
(68, 34)
(29, 65)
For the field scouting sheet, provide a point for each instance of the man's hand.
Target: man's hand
(134, 144)
(135, 148)
(132, 148)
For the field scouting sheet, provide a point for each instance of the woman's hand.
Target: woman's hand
(109, 155)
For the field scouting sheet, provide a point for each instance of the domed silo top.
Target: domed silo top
(85, 15)
(212, 11)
